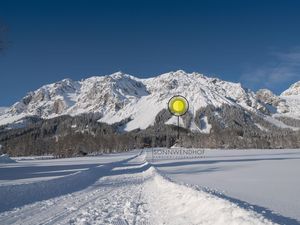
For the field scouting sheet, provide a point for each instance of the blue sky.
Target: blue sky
(253, 42)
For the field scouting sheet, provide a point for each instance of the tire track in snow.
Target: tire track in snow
(59, 207)
(43, 211)
(71, 211)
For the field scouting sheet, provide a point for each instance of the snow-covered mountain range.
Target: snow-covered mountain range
(122, 97)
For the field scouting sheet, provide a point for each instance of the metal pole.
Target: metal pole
(177, 127)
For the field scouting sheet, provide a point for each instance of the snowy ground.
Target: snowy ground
(130, 188)
(6, 159)
(266, 179)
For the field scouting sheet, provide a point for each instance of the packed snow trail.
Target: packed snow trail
(133, 192)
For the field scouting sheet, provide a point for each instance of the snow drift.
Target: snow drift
(6, 159)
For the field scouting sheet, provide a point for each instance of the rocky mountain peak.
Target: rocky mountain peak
(294, 89)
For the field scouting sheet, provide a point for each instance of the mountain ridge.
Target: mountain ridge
(119, 96)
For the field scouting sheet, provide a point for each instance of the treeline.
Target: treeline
(65, 136)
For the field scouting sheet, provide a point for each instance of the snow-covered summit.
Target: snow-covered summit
(94, 94)
(292, 100)
(294, 89)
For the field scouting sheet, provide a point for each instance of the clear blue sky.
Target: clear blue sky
(253, 42)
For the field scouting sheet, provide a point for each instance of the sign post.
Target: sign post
(178, 106)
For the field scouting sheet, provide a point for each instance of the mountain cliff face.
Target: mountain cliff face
(221, 114)
(118, 97)
(292, 99)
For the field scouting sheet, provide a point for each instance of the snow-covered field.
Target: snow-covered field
(225, 187)
(268, 180)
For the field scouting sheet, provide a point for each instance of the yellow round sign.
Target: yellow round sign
(178, 105)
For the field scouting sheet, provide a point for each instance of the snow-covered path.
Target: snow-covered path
(129, 191)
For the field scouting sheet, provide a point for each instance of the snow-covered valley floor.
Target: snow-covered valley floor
(131, 188)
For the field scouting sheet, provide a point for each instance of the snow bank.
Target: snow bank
(263, 180)
(6, 159)
(173, 203)
(42, 157)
